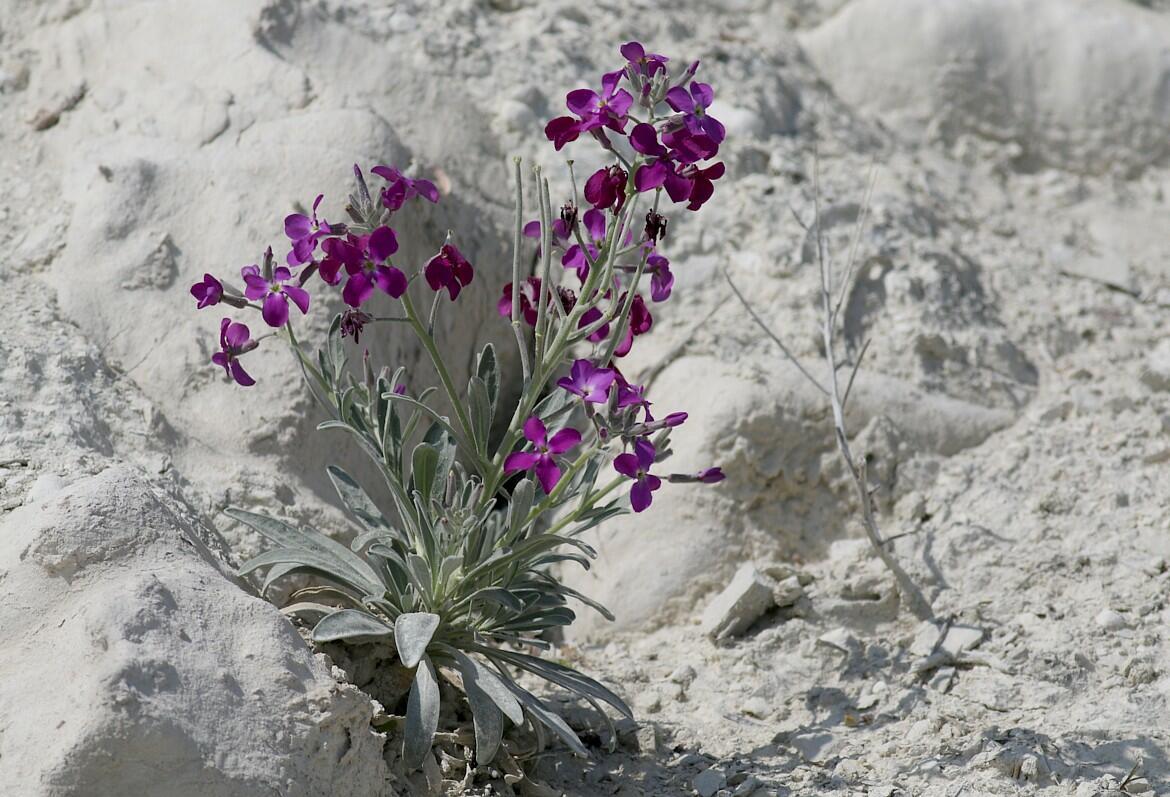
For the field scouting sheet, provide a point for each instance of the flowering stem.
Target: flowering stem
(546, 237)
(562, 485)
(586, 505)
(516, 327)
(428, 343)
(620, 330)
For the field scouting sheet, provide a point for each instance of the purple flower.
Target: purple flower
(693, 184)
(644, 63)
(304, 232)
(606, 188)
(637, 467)
(529, 300)
(402, 188)
(607, 109)
(707, 476)
(693, 106)
(275, 293)
(661, 280)
(594, 222)
(542, 457)
(639, 323)
(352, 323)
(234, 340)
(588, 381)
(710, 476)
(590, 316)
(562, 130)
(561, 229)
(208, 292)
(449, 269)
(370, 268)
(629, 395)
(340, 253)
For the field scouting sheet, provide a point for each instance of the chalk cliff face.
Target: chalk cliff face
(1011, 285)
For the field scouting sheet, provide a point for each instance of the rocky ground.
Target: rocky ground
(1014, 402)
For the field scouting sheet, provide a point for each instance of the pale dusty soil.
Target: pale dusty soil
(1018, 408)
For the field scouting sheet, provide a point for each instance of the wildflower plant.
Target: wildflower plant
(457, 570)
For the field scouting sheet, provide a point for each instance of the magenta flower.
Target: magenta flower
(234, 340)
(340, 253)
(661, 280)
(637, 467)
(542, 457)
(629, 395)
(449, 269)
(561, 230)
(529, 300)
(275, 293)
(643, 63)
(639, 323)
(607, 109)
(401, 188)
(588, 381)
(304, 232)
(590, 316)
(562, 130)
(373, 269)
(208, 292)
(606, 188)
(574, 257)
(693, 106)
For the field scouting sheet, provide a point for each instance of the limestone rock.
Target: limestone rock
(745, 600)
(135, 664)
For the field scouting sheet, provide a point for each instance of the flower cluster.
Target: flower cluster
(661, 148)
(356, 254)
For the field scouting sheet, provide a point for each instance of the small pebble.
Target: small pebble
(1110, 620)
(708, 782)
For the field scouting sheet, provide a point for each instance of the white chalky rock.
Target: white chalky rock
(133, 664)
(1156, 373)
(745, 600)
(1078, 85)
(1110, 620)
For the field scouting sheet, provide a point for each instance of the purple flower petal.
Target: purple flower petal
(520, 460)
(427, 190)
(297, 226)
(595, 223)
(626, 465)
(383, 243)
(582, 101)
(535, 431)
(620, 105)
(650, 176)
(299, 296)
(633, 51)
(240, 375)
(563, 440)
(644, 450)
(235, 335)
(275, 310)
(640, 495)
(357, 289)
(702, 94)
(548, 473)
(680, 100)
(391, 280)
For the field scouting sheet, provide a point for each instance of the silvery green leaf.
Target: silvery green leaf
(277, 572)
(597, 517)
(308, 611)
(500, 597)
(448, 567)
(481, 411)
(520, 505)
(489, 700)
(592, 604)
(424, 467)
(350, 624)
(490, 684)
(554, 403)
(487, 369)
(550, 719)
(306, 559)
(565, 677)
(412, 634)
(356, 499)
(358, 570)
(335, 347)
(419, 572)
(422, 714)
(553, 558)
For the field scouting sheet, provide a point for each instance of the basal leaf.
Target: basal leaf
(412, 633)
(422, 715)
(350, 624)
